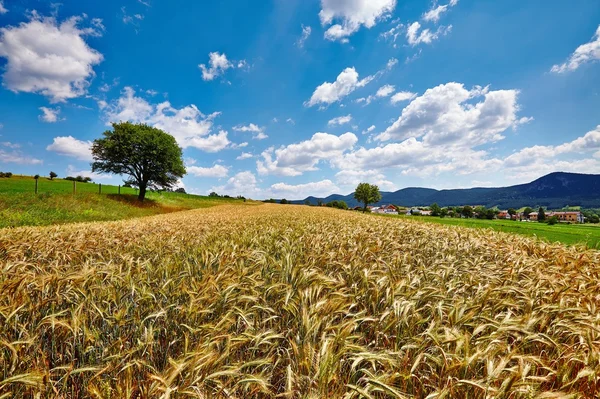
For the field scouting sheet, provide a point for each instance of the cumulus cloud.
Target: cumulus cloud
(73, 171)
(3, 10)
(321, 188)
(295, 159)
(434, 14)
(11, 154)
(329, 93)
(383, 91)
(369, 129)
(340, 120)
(242, 183)
(526, 157)
(50, 115)
(258, 133)
(351, 15)
(351, 178)
(244, 155)
(69, 146)
(402, 96)
(306, 31)
(585, 53)
(214, 171)
(50, 58)
(218, 64)
(426, 35)
(444, 115)
(189, 126)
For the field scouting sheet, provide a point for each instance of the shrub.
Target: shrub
(5, 174)
(553, 220)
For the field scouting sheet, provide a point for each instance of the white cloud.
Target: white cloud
(72, 171)
(443, 116)
(15, 155)
(50, 115)
(434, 14)
(402, 96)
(290, 121)
(218, 64)
(369, 129)
(585, 53)
(306, 31)
(71, 147)
(189, 126)
(352, 15)
(426, 36)
(244, 155)
(243, 183)
(49, 58)
(351, 178)
(3, 10)
(340, 120)
(383, 91)
(214, 171)
(329, 93)
(321, 188)
(538, 154)
(258, 133)
(295, 159)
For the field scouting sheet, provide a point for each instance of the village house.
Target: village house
(385, 209)
(570, 217)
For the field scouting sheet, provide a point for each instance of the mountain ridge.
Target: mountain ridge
(554, 190)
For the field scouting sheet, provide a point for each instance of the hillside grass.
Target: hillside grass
(570, 234)
(55, 202)
(294, 302)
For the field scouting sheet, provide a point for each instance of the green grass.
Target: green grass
(570, 234)
(55, 202)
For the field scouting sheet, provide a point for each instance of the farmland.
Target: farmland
(294, 302)
(570, 234)
(55, 202)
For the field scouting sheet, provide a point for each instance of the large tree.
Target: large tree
(367, 194)
(149, 156)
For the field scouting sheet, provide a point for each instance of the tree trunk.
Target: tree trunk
(365, 208)
(142, 193)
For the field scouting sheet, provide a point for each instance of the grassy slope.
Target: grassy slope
(55, 203)
(566, 233)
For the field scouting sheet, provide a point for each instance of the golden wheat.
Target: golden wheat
(294, 302)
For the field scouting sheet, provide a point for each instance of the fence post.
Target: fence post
(99, 188)
(36, 186)
(119, 190)
(74, 187)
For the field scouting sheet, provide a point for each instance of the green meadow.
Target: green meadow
(570, 234)
(55, 202)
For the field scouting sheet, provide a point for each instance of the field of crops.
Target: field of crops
(294, 302)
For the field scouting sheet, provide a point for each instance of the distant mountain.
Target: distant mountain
(555, 190)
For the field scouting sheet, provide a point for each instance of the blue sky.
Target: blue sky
(290, 98)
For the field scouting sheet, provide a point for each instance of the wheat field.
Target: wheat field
(294, 302)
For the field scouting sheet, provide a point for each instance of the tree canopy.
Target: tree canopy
(149, 156)
(367, 194)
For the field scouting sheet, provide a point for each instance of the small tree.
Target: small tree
(149, 156)
(553, 220)
(467, 211)
(367, 194)
(53, 175)
(213, 194)
(36, 177)
(435, 209)
(512, 212)
(541, 215)
(284, 201)
(444, 212)
(526, 212)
